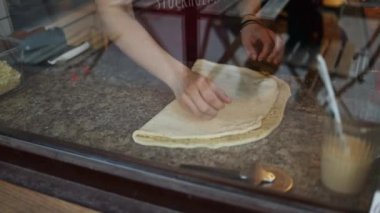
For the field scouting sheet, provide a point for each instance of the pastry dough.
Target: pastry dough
(257, 109)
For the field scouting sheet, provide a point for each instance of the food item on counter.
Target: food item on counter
(333, 3)
(257, 109)
(9, 78)
(252, 100)
(345, 168)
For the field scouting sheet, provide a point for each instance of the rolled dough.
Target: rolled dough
(257, 109)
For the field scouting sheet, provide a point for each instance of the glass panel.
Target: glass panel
(93, 74)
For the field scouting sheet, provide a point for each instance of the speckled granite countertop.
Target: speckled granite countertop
(103, 109)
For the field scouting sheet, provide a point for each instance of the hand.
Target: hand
(201, 96)
(262, 43)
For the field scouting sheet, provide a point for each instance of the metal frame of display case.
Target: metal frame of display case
(142, 180)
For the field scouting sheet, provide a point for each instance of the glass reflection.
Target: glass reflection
(129, 60)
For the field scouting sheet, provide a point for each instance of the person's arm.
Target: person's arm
(249, 7)
(260, 42)
(193, 91)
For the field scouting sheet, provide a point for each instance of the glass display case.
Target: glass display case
(85, 90)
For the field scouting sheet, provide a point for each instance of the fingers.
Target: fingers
(212, 99)
(203, 99)
(262, 44)
(203, 106)
(275, 55)
(193, 105)
(267, 45)
(222, 95)
(212, 94)
(280, 55)
(187, 103)
(248, 43)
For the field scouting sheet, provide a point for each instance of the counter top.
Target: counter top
(103, 109)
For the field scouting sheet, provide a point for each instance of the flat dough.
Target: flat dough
(257, 109)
